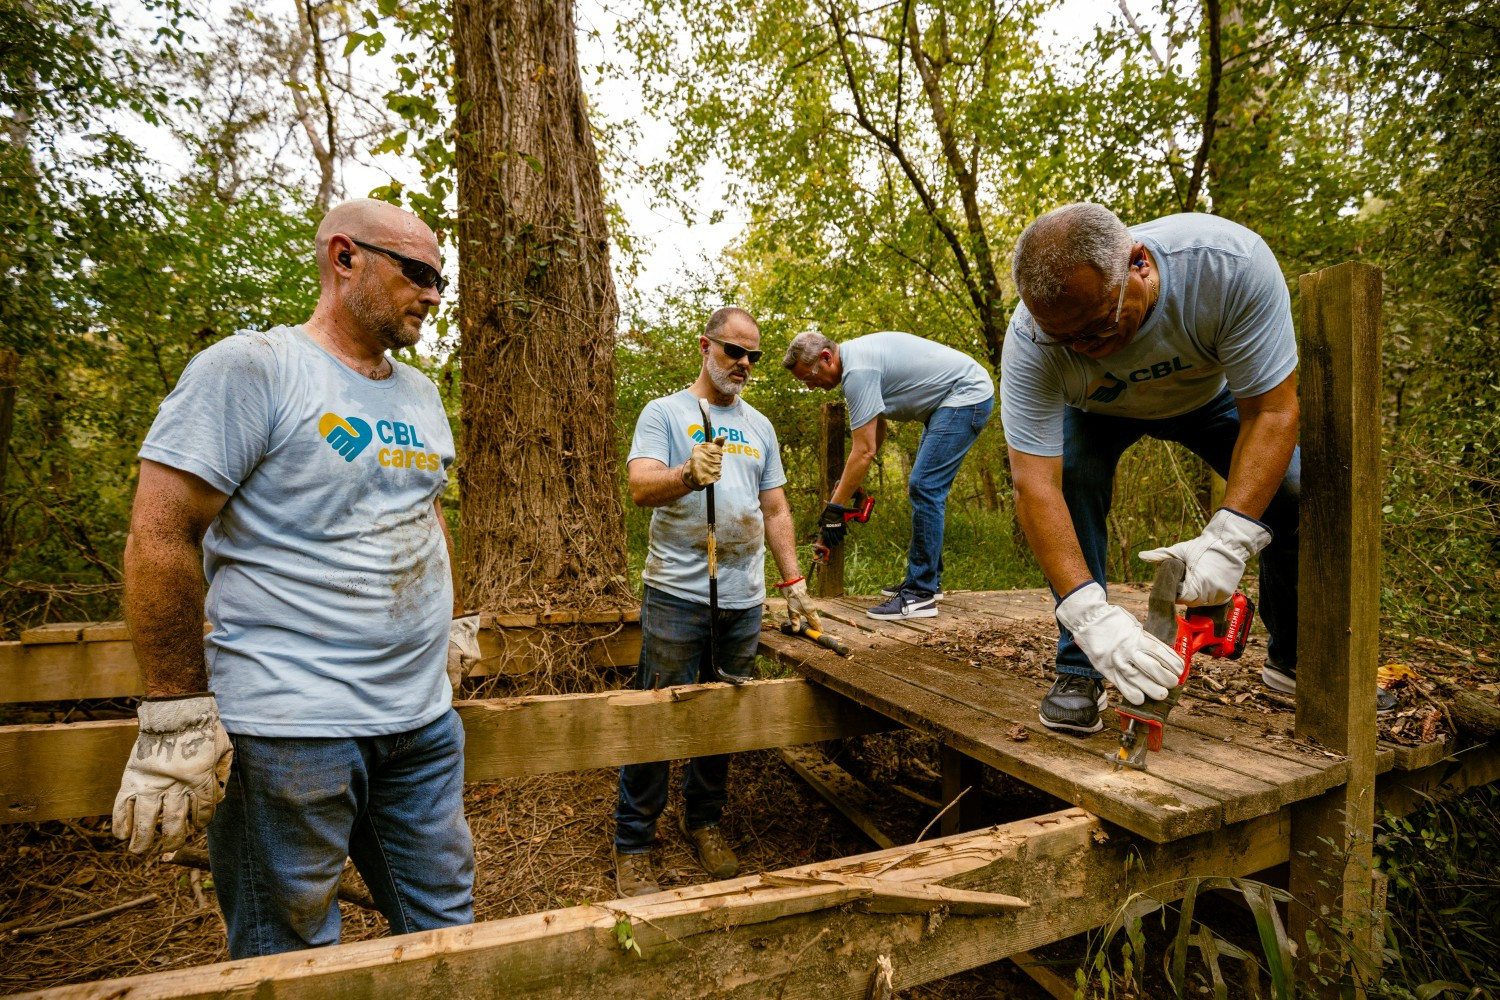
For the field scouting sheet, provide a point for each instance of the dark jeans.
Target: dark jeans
(946, 438)
(674, 650)
(1092, 446)
(294, 808)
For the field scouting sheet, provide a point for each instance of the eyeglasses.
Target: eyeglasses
(735, 351)
(418, 272)
(1047, 341)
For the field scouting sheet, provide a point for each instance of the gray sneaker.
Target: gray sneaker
(633, 875)
(1285, 681)
(907, 604)
(1073, 704)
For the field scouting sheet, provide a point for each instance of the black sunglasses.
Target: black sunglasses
(419, 273)
(735, 351)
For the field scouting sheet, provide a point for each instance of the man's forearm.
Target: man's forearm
(853, 476)
(657, 487)
(781, 536)
(164, 608)
(1261, 455)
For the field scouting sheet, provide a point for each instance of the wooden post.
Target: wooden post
(1339, 602)
(961, 776)
(831, 430)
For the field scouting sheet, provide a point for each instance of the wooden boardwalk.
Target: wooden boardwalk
(1217, 766)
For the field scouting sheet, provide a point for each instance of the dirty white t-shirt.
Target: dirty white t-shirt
(329, 588)
(1223, 316)
(677, 554)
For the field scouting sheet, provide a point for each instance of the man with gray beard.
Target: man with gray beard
(672, 460)
(307, 466)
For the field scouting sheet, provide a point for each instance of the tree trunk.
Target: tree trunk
(541, 522)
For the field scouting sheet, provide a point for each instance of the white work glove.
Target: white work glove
(1216, 559)
(1139, 664)
(176, 773)
(463, 648)
(705, 465)
(800, 603)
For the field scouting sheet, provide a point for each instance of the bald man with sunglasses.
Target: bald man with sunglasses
(671, 463)
(1179, 329)
(297, 473)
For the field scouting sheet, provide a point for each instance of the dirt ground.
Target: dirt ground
(543, 843)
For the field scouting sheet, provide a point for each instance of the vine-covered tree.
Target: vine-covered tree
(541, 522)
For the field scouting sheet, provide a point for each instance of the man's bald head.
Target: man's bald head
(377, 222)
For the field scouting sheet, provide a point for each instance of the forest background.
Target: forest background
(166, 163)
(883, 156)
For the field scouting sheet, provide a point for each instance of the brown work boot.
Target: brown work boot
(713, 851)
(633, 875)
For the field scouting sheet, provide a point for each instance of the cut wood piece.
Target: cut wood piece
(840, 788)
(1414, 758)
(903, 897)
(53, 632)
(106, 632)
(62, 771)
(739, 940)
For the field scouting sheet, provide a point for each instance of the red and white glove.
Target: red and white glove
(1216, 559)
(176, 773)
(1137, 662)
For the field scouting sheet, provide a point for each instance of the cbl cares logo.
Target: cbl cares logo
(348, 436)
(735, 442)
(1107, 388)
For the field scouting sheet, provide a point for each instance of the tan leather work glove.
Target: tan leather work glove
(800, 603)
(705, 465)
(175, 775)
(463, 649)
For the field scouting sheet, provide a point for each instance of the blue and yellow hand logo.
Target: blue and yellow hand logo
(348, 436)
(695, 431)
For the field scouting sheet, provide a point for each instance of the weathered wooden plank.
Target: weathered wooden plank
(962, 776)
(102, 664)
(1415, 758)
(61, 771)
(1338, 639)
(1405, 791)
(743, 939)
(487, 620)
(882, 679)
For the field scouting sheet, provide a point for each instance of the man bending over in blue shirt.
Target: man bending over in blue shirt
(896, 376)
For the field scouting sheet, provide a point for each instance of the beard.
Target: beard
(379, 317)
(720, 378)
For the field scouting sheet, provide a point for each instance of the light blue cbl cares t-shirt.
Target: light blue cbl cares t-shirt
(677, 553)
(329, 587)
(900, 376)
(1223, 316)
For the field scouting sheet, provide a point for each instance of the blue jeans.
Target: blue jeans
(1092, 446)
(296, 807)
(674, 650)
(947, 437)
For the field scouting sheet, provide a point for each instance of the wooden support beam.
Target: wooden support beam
(841, 789)
(761, 937)
(76, 660)
(1339, 584)
(62, 771)
(831, 430)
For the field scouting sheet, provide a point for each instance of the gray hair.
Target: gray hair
(805, 349)
(1065, 239)
(722, 317)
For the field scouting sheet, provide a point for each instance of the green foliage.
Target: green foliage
(1442, 922)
